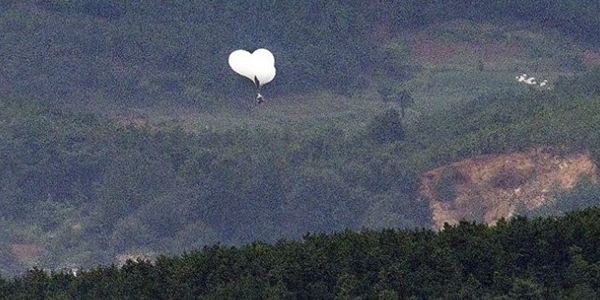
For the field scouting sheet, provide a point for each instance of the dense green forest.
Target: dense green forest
(133, 51)
(542, 258)
(79, 186)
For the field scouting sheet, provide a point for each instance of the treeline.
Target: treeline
(542, 258)
(137, 52)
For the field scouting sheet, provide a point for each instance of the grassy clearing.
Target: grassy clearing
(443, 90)
(302, 113)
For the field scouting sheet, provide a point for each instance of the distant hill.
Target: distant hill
(125, 134)
(100, 54)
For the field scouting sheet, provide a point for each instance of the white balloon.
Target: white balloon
(265, 74)
(241, 62)
(264, 56)
(259, 64)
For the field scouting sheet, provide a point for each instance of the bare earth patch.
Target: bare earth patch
(591, 58)
(488, 188)
(521, 47)
(435, 52)
(27, 251)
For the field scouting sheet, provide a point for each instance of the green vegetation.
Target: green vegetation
(85, 188)
(122, 131)
(509, 121)
(445, 186)
(135, 52)
(542, 258)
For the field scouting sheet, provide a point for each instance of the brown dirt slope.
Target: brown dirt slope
(488, 188)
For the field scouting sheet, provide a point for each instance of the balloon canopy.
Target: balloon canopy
(258, 66)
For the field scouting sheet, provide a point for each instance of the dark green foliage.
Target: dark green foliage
(94, 187)
(587, 83)
(553, 258)
(392, 61)
(505, 122)
(445, 186)
(585, 194)
(386, 127)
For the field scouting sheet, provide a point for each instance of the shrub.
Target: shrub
(386, 127)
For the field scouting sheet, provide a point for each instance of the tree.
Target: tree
(393, 94)
(526, 289)
(386, 127)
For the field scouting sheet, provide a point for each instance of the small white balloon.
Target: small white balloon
(241, 62)
(264, 56)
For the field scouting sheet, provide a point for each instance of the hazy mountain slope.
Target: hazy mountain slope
(128, 135)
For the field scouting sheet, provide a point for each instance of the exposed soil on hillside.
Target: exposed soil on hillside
(500, 47)
(431, 52)
(488, 188)
(591, 57)
(27, 251)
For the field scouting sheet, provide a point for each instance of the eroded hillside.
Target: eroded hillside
(488, 188)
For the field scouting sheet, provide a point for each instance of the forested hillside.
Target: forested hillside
(548, 258)
(136, 52)
(124, 132)
(82, 190)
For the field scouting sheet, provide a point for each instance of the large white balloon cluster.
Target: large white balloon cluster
(258, 66)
